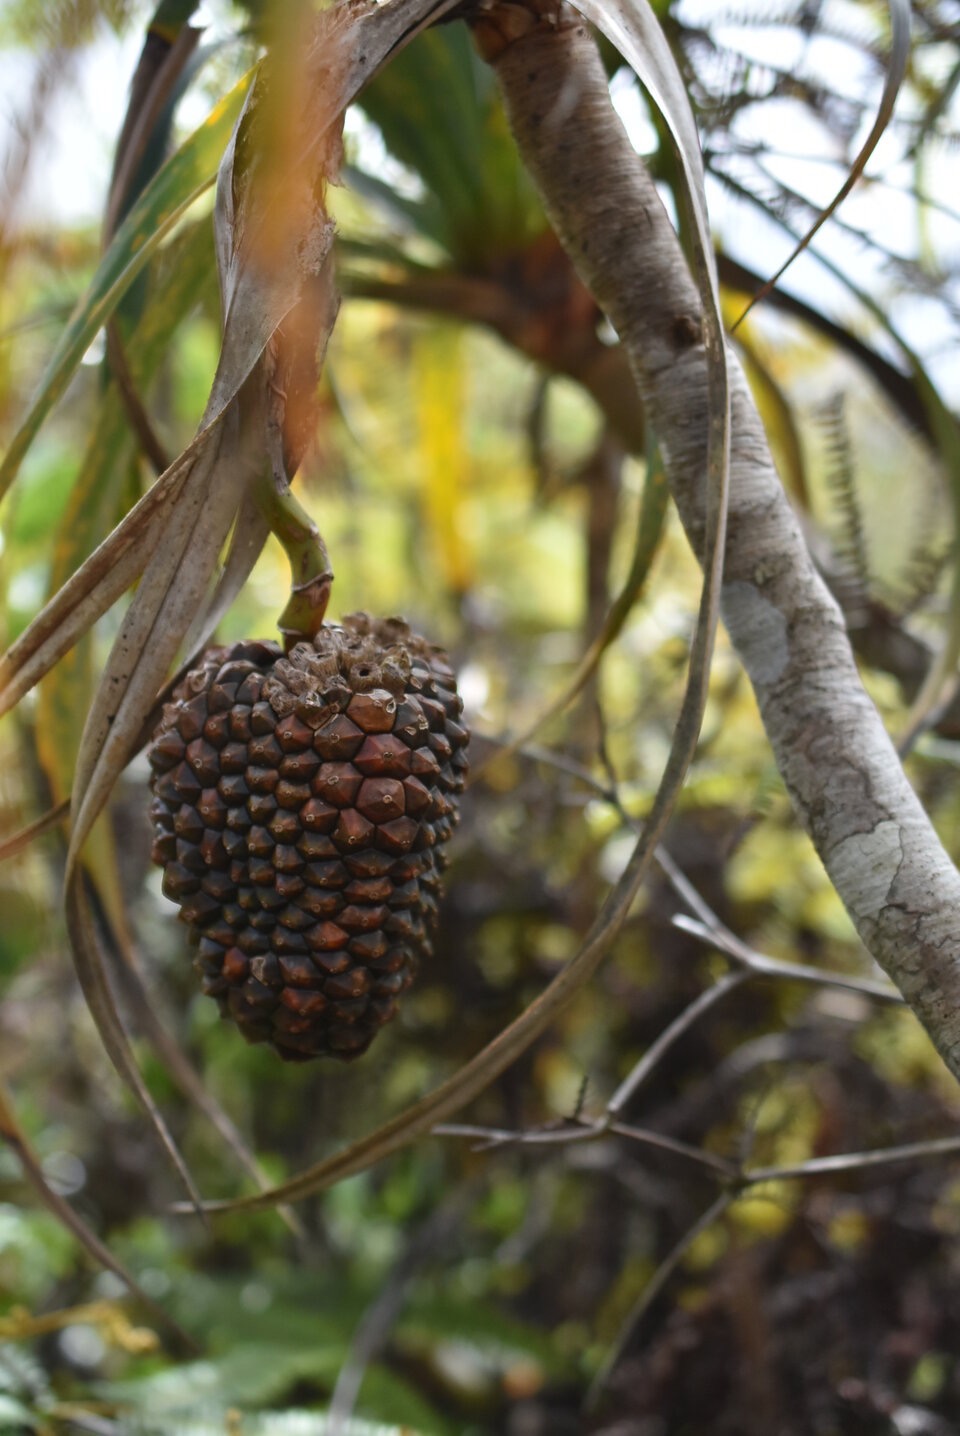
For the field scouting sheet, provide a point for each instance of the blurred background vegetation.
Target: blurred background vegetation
(480, 468)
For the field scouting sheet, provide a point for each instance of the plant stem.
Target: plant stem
(311, 576)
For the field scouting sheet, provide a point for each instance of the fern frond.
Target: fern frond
(849, 536)
(925, 565)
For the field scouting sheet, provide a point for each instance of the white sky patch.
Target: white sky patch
(631, 106)
(781, 139)
(366, 148)
(70, 159)
(72, 155)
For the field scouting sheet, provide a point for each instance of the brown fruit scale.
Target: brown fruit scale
(301, 808)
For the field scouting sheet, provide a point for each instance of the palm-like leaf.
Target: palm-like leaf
(477, 201)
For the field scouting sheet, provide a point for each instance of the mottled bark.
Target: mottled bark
(841, 770)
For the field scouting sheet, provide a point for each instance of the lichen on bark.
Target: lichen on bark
(839, 765)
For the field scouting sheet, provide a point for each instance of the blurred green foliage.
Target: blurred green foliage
(477, 1286)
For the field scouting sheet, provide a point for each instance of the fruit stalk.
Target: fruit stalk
(311, 576)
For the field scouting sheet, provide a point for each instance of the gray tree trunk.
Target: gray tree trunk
(843, 774)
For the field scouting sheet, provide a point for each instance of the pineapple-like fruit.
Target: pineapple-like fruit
(301, 809)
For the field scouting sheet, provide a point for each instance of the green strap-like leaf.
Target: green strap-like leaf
(158, 80)
(479, 200)
(170, 15)
(185, 176)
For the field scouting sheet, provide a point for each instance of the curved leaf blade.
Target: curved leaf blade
(88, 593)
(896, 71)
(267, 269)
(476, 1074)
(650, 528)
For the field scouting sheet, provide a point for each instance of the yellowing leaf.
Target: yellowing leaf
(173, 189)
(438, 380)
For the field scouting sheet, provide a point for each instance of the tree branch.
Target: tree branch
(843, 775)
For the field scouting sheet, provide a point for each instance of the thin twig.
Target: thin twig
(588, 1130)
(491, 1137)
(671, 1034)
(764, 966)
(14, 1136)
(706, 925)
(18, 841)
(855, 1161)
(134, 407)
(598, 1129)
(719, 1166)
(650, 1293)
(82, 1419)
(535, 753)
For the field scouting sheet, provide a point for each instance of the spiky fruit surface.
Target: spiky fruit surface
(301, 808)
